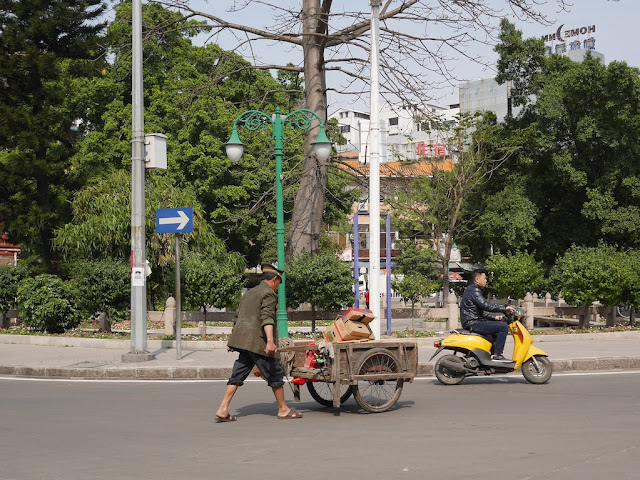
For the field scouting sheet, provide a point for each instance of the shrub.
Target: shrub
(514, 275)
(10, 277)
(211, 281)
(46, 303)
(321, 280)
(102, 286)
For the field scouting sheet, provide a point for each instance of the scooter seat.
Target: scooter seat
(463, 331)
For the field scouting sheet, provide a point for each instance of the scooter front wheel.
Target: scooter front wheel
(449, 370)
(537, 370)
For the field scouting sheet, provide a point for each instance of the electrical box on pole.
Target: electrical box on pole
(155, 149)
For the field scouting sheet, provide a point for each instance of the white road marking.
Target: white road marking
(257, 380)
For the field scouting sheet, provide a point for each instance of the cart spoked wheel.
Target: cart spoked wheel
(378, 394)
(322, 392)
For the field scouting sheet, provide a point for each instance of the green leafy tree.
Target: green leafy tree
(584, 275)
(10, 278)
(103, 286)
(102, 225)
(508, 223)
(579, 165)
(209, 281)
(417, 259)
(321, 280)
(434, 207)
(193, 94)
(514, 275)
(47, 304)
(519, 62)
(412, 288)
(47, 51)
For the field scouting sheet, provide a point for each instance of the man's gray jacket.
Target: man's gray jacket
(257, 308)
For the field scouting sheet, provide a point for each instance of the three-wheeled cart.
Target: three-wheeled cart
(373, 371)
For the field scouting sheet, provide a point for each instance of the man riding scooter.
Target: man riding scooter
(474, 316)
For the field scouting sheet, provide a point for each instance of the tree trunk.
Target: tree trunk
(306, 221)
(313, 318)
(632, 317)
(413, 325)
(586, 316)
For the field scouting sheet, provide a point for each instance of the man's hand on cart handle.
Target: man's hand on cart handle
(271, 348)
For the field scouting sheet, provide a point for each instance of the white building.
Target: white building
(408, 132)
(486, 95)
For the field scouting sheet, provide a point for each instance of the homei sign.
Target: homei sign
(573, 32)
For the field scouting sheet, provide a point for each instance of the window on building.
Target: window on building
(345, 128)
(393, 122)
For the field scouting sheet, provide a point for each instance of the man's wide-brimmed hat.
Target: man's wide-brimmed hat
(268, 268)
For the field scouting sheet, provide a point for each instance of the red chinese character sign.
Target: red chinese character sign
(423, 149)
(426, 150)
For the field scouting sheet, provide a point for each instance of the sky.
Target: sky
(615, 22)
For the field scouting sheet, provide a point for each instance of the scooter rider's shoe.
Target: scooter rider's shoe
(499, 358)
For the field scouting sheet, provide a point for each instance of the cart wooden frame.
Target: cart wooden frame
(373, 371)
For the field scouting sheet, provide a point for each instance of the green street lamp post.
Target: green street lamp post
(301, 119)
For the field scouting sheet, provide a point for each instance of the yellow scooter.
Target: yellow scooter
(472, 355)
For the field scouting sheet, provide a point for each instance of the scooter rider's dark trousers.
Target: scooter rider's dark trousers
(498, 330)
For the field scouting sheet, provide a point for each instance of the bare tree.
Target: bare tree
(434, 205)
(418, 41)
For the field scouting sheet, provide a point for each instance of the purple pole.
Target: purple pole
(388, 275)
(356, 254)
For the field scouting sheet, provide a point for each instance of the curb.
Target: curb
(212, 373)
(211, 345)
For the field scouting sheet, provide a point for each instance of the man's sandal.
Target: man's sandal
(226, 419)
(291, 415)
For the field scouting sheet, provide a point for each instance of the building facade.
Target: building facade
(409, 133)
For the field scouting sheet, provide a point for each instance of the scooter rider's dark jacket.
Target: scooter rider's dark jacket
(474, 307)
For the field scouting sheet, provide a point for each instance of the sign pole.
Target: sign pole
(177, 221)
(178, 305)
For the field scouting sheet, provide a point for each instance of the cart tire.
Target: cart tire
(376, 396)
(445, 375)
(540, 374)
(322, 392)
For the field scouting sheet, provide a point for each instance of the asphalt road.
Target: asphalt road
(577, 426)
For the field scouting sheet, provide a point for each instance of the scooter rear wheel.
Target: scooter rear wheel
(538, 371)
(448, 376)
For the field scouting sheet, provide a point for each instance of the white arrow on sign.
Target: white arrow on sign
(182, 220)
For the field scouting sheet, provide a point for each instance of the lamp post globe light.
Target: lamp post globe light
(301, 119)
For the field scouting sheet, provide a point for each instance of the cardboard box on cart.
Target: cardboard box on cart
(358, 315)
(341, 330)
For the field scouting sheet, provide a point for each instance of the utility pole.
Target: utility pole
(374, 173)
(138, 350)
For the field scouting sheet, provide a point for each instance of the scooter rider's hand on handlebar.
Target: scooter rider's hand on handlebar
(510, 309)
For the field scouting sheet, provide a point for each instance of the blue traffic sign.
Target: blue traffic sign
(174, 220)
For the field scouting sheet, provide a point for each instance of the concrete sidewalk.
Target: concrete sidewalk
(68, 357)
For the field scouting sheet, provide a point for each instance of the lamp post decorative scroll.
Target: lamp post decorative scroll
(301, 119)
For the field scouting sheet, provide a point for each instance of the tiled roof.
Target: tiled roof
(5, 245)
(397, 169)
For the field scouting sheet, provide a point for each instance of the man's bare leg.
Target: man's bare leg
(223, 410)
(283, 409)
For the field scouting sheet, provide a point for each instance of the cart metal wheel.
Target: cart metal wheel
(376, 396)
(322, 392)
